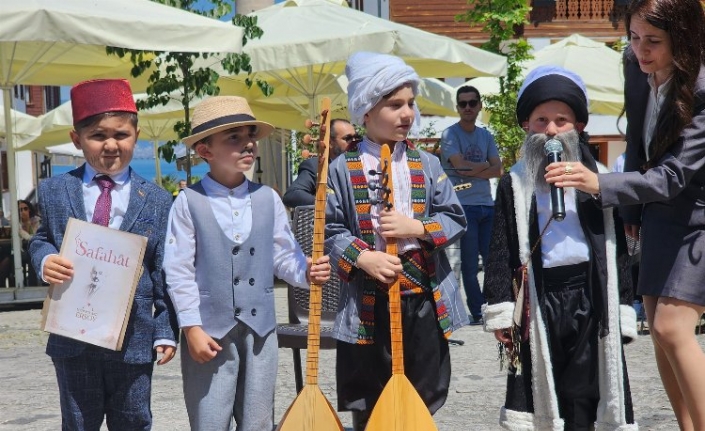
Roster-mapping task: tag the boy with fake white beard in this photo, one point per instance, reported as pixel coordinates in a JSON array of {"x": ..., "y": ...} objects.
[{"x": 562, "y": 331}]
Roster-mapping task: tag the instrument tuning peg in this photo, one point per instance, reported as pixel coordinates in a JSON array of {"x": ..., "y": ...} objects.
[
  {"x": 305, "y": 154},
  {"x": 310, "y": 123},
  {"x": 306, "y": 139},
  {"x": 375, "y": 201},
  {"x": 373, "y": 185},
  {"x": 374, "y": 172}
]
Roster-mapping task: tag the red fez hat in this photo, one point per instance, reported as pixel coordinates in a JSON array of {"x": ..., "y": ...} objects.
[{"x": 98, "y": 96}]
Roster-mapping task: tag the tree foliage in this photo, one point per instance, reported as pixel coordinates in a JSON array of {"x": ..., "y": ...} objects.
[
  {"x": 176, "y": 75},
  {"x": 501, "y": 20}
]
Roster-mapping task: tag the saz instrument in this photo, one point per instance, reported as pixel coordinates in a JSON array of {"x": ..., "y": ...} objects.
[
  {"x": 311, "y": 411},
  {"x": 399, "y": 408}
]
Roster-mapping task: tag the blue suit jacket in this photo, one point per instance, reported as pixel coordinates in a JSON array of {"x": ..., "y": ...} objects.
[{"x": 152, "y": 317}]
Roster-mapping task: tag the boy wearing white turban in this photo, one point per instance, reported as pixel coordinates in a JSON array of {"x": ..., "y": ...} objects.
[{"x": 425, "y": 218}]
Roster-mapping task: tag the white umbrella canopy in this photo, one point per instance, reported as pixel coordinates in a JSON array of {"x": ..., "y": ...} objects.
[
  {"x": 156, "y": 124},
  {"x": 25, "y": 128},
  {"x": 50, "y": 42},
  {"x": 68, "y": 149},
  {"x": 306, "y": 44},
  {"x": 330, "y": 31},
  {"x": 599, "y": 66},
  {"x": 289, "y": 109}
]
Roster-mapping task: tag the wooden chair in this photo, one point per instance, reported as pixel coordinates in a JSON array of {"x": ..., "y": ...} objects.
[{"x": 294, "y": 335}]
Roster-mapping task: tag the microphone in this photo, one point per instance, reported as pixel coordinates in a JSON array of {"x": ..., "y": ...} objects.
[{"x": 553, "y": 150}]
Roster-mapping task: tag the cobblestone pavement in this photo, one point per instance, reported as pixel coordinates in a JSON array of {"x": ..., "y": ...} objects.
[{"x": 29, "y": 398}]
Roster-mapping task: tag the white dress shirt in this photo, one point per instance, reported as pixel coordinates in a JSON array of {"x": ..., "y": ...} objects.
[
  {"x": 401, "y": 177},
  {"x": 233, "y": 211},
  {"x": 564, "y": 242}
]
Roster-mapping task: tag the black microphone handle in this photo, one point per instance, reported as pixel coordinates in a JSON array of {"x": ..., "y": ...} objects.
[{"x": 557, "y": 199}]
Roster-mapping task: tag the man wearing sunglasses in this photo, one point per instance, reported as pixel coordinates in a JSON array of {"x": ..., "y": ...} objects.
[
  {"x": 469, "y": 156},
  {"x": 303, "y": 190}
]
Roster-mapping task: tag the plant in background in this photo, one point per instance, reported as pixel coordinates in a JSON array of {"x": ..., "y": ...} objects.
[
  {"x": 175, "y": 74},
  {"x": 170, "y": 183},
  {"x": 427, "y": 140},
  {"x": 501, "y": 20},
  {"x": 301, "y": 148}
]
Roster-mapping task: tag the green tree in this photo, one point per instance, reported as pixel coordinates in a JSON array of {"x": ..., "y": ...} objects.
[
  {"x": 501, "y": 20},
  {"x": 175, "y": 74}
]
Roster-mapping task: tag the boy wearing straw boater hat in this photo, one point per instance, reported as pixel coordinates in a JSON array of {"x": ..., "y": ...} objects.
[
  {"x": 426, "y": 217},
  {"x": 95, "y": 382},
  {"x": 227, "y": 240}
]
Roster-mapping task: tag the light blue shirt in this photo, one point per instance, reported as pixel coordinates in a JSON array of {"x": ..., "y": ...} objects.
[{"x": 477, "y": 146}]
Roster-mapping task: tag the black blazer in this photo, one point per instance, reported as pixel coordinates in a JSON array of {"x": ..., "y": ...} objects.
[
  {"x": 679, "y": 178},
  {"x": 303, "y": 190}
]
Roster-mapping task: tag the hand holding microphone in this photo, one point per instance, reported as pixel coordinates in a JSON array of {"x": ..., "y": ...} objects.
[{"x": 553, "y": 150}]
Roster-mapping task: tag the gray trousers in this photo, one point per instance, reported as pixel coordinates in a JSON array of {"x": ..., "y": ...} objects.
[{"x": 239, "y": 383}]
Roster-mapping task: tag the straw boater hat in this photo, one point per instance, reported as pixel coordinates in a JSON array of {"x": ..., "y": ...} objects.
[
  {"x": 98, "y": 96},
  {"x": 219, "y": 113}
]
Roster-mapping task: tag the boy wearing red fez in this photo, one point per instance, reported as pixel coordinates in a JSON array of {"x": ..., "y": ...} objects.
[
  {"x": 227, "y": 240},
  {"x": 95, "y": 382}
]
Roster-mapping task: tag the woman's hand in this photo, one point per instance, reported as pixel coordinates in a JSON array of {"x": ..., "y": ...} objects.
[{"x": 572, "y": 174}]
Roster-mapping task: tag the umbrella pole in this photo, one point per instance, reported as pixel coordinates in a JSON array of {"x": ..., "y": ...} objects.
[
  {"x": 157, "y": 163},
  {"x": 12, "y": 186}
]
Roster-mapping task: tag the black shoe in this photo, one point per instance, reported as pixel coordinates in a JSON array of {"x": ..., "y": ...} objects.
[{"x": 476, "y": 321}]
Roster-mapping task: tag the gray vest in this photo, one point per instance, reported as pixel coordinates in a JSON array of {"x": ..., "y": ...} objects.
[{"x": 235, "y": 282}]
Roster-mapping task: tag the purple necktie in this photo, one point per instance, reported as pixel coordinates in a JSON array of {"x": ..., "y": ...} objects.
[{"x": 101, "y": 214}]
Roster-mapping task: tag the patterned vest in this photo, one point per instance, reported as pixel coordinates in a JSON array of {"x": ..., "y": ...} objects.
[{"x": 418, "y": 270}]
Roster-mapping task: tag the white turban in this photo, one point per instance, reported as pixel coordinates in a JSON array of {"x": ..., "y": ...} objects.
[{"x": 372, "y": 76}]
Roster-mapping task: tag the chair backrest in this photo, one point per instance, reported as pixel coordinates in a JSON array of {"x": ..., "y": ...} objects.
[{"x": 302, "y": 227}]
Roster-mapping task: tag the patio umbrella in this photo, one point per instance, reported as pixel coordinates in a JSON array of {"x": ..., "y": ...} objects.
[
  {"x": 50, "y": 42},
  {"x": 54, "y": 126},
  {"x": 598, "y": 65},
  {"x": 25, "y": 128},
  {"x": 288, "y": 109},
  {"x": 306, "y": 44}
]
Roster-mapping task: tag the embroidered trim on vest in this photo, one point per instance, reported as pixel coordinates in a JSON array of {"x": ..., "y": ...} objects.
[{"x": 414, "y": 278}]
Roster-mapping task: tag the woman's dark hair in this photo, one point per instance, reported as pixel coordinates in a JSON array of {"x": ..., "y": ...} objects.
[
  {"x": 684, "y": 21},
  {"x": 32, "y": 210}
]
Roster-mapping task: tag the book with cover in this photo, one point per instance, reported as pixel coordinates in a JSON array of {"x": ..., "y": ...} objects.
[{"x": 94, "y": 306}]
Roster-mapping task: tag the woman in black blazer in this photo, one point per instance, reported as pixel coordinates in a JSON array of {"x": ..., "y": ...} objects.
[{"x": 665, "y": 190}]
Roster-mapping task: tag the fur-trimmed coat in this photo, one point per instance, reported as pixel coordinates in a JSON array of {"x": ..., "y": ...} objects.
[{"x": 531, "y": 402}]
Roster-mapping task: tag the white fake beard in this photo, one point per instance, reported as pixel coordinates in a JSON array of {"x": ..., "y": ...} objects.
[{"x": 532, "y": 152}]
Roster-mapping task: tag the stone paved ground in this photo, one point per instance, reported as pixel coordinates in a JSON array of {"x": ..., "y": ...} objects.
[{"x": 29, "y": 398}]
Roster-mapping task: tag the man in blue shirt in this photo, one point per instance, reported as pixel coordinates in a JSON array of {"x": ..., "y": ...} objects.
[{"x": 470, "y": 158}]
